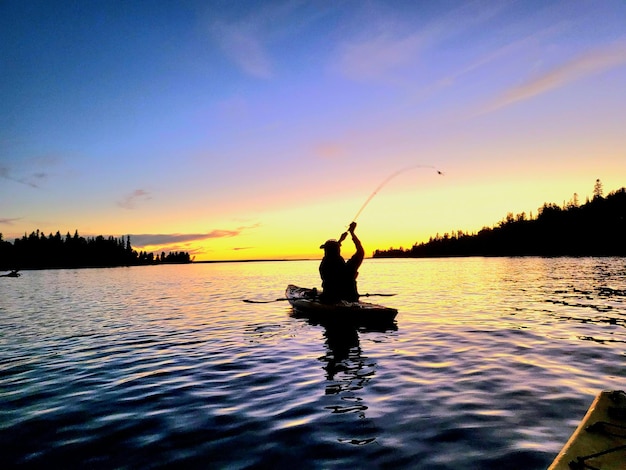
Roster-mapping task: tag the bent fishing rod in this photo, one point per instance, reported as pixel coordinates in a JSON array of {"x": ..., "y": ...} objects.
[{"x": 381, "y": 185}]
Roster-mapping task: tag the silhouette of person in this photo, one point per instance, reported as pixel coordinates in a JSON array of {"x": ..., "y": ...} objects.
[{"x": 339, "y": 276}]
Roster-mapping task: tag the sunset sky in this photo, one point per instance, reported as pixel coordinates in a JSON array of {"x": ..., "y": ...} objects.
[{"x": 254, "y": 130}]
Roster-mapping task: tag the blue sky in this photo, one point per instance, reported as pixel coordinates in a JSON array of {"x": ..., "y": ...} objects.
[{"x": 255, "y": 129}]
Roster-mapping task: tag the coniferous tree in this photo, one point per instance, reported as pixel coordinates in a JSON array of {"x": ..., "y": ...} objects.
[{"x": 598, "y": 192}]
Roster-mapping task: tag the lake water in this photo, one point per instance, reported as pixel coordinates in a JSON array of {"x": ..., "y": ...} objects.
[{"x": 492, "y": 363}]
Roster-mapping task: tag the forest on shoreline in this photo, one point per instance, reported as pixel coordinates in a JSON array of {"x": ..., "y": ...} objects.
[
  {"x": 595, "y": 228},
  {"x": 38, "y": 251}
]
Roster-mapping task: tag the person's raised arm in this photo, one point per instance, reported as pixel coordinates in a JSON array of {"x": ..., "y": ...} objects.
[{"x": 360, "y": 252}]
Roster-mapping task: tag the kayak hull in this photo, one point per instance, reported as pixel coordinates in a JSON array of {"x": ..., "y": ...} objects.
[
  {"x": 599, "y": 441},
  {"x": 306, "y": 303}
]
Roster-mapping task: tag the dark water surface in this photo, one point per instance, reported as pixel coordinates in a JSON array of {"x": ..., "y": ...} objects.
[{"x": 492, "y": 364}]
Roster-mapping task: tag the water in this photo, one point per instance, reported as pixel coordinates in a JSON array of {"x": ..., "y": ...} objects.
[{"x": 491, "y": 365}]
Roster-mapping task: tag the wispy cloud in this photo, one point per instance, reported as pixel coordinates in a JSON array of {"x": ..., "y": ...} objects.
[
  {"x": 250, "y": 41},
  {"x": 143, "y": 240},
  {"x": 512, "y": 49},
  {"x": 388, "y": 45},
  {"x": 131, "y": 200},
  {"x": 329, "y": 150},
  {"x": 31, "y": 171},
  {"x": 493, "y": 59},
  {"x": 34, "y": 179},
  {"x": 377, "y": 57},
  {"x": 244, "y": 45},
  {"x": 592, "y": 62},
  {"x": 9, "y": 221}
]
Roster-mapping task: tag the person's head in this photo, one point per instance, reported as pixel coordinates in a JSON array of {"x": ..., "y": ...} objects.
[{"x": 331, "y": 247}]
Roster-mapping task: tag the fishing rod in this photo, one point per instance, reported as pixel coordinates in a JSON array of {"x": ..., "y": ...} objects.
[{"x": 387, "y": 180}]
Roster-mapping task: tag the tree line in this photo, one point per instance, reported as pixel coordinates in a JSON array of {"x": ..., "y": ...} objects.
[
  {"x": 37, "y": 251},
  {"x": 595, "y": 228}
]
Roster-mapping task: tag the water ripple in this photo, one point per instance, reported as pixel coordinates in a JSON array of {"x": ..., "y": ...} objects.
[{"x": 491, "y": 364}]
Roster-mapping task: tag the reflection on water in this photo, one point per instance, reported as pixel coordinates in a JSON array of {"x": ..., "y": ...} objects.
[
  {"x": 491, "y": 364},
  {"x": 343, "y": 345},
  {"x": 348, "y": 371}
]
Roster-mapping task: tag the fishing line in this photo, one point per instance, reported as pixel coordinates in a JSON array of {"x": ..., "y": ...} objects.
[{"x": 389, "y": 178}]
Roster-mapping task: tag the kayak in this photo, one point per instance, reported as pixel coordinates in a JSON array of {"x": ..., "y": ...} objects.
[
  {"x": 306, "y": 302},
  {"x": 599, "y": 441}
]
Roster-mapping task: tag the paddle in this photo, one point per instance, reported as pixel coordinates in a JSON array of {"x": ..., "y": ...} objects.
[
  {"x": 281, "y": 299},
  {"x": 376, "y": 295},
  {"x": 262, "y": 301}
]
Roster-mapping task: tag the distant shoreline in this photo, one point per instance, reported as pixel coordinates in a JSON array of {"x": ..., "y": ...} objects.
[
  {"x": 250, "y": 260},
  {"x": 42, "y": 268},
  {"x": 313, "y": 259}
]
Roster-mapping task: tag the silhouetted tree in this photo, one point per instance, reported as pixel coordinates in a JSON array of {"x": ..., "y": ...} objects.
[
  {"x": 573, "y": 202},
  {"x": 598, "y": 192}
]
